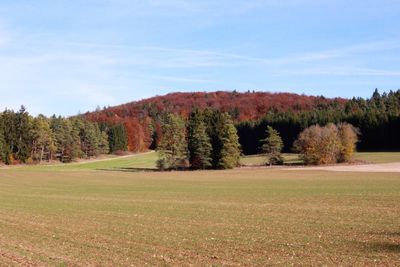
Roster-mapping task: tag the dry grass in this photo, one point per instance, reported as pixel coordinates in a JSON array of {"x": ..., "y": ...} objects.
[{"x": 239, "y": 217}]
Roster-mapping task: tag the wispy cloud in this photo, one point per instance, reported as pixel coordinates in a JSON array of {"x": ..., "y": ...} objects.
[{"x": 81, "y": 52}]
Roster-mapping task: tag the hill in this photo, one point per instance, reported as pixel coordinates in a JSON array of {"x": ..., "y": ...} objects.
[{"x": 141, "y": 118}]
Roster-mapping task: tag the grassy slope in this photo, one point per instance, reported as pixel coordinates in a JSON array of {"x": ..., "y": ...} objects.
[
  {"x": 139, "y": 161},
  {"x": 257, "y": 160},
  {"x": 244, "y": 216},
  {"x": 369, "y": 157},
  {"x": 147, "y": 161},
  {"x": 378, "y": 157}
]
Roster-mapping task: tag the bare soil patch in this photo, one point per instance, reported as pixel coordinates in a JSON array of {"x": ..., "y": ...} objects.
[{"x": 382, "y": 167}]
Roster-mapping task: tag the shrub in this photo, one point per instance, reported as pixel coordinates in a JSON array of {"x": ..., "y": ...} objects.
[{"x": 326, "y": 145}]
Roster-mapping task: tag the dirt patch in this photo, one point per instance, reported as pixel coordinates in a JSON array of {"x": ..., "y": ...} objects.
[{"x": 383, "y": 167}]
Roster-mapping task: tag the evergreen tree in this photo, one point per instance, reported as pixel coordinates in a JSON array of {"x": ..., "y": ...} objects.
[
  {"x": 104, "y": 147},
  {"x": 272, "y": 146},
  {"x": 173, "y": 146},
  {"x": 229, "y": 155},
  {"x": 3, "y": 147},
  {"x": 67, "y": 139},
  {"x": 117, "y": 138},
  {"x": 199, "y": 144},
  {"x": 23, "y": 130}
]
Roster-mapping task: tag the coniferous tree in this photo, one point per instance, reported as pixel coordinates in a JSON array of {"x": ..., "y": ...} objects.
[
  {"x": 272, "y": 146},
  {"x": 199, "y": 145},
  {"x": 3, "y": 152},
  {"x": 67, "y": 139},
  {"x": 229, "y": 155},
  {"x": 117, "y": 138},
  {"x": 173, "y": 146},
  {"x": 104, "y": 147},
  {"x": 23, "y": 130}
]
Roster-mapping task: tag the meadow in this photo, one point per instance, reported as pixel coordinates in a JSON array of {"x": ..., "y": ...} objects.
[{"x": 115, "y": 213}]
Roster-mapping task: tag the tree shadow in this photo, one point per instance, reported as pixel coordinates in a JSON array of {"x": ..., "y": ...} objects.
[
  {"x": 383, "y": 247},
  {"x": 131, "y": 170}
]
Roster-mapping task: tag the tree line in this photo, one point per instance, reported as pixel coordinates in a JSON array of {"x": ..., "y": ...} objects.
[
  {"x": 377, "y": 118},
  {"x": 208, "y": 140},
  {"x": 28, "y": 139}
]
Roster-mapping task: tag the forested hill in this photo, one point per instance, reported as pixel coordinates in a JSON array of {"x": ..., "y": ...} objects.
[
  {"x": 241, "y": 106},
  {"x": 141, "y": 118}
]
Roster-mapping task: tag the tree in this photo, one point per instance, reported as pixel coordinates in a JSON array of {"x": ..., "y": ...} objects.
[
  {"x": 229, "y": 155},
  {"x": 272, "y": 146},
  {"x": 104, "y": 147},
  {"x": 23, "y": 126},
  {"x": 3, "y": 147},
  {"x": 326, "y": 145},
  {"x": 199, "y": 145},
  {"x": 348, "y": 135},
  {"x": 10, "y": 135},
  {"x": 173, "y": 146},
  {"x": 67, "y": 139},
  {"x": 117, "y": 138},
  {"x": 43, "y": 139}
]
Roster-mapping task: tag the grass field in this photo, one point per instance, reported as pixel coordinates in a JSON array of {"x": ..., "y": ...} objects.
[
  {"x": 368, "y": 157},
  {"x": 258, "y": 160},
  {"x": 141, "y": 162},
  {"x": 378, "y": 157},
  {"x": 107, "y": 213}
]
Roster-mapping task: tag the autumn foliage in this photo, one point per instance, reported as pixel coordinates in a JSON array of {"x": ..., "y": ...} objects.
[
  {"x": 142, "y": 118},
  {"x": 327, "y": 145}
]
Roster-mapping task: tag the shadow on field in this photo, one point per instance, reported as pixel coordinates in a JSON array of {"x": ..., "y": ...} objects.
[
  {"x": 383, "y": 247},
  {"x": 131, "y": 170}
]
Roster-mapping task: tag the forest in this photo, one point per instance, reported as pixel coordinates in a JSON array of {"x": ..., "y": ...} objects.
[
  {"x": 140, "y": 126},
  {"x": 377, "y": 118},
  {"x": 28, "y": 139}
]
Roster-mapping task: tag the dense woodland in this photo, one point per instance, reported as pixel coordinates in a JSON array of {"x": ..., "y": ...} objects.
[
  {"x": 142, "y": 125},
  {"x": 143, "y": 119},
  {"x": 378, "y": 118},
  {"x": 27, "y": 139}
]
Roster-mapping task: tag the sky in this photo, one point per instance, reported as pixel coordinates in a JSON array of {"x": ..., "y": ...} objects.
[{"x": 70, "y": 56}]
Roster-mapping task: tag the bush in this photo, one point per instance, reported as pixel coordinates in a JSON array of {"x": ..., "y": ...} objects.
[{"x": 326, "y": 145}]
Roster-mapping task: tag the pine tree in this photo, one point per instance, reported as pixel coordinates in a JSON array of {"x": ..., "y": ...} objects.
[
  {"x": 272, "y": 146},
  {"x": 229, "y": 155},
  {"x": 23, "y": 126},
  {"x": 117, "y": 138},
  {"x": 3, "y": 149},
  {"x": 173, "y": 146},
  {"x": 67, "y": 140},
  {"x": 199, "y": 145}
]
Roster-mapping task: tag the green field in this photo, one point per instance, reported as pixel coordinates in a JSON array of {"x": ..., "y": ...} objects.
[
  {"x": 367, "y": 157},
  {"x": 111, "y": 213},
  {"x": 141, "y": 162},
  {"x": 378, "y": 157}
]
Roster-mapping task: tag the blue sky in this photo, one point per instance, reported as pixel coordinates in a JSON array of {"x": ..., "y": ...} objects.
[{"x": 65, "y": 56}]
